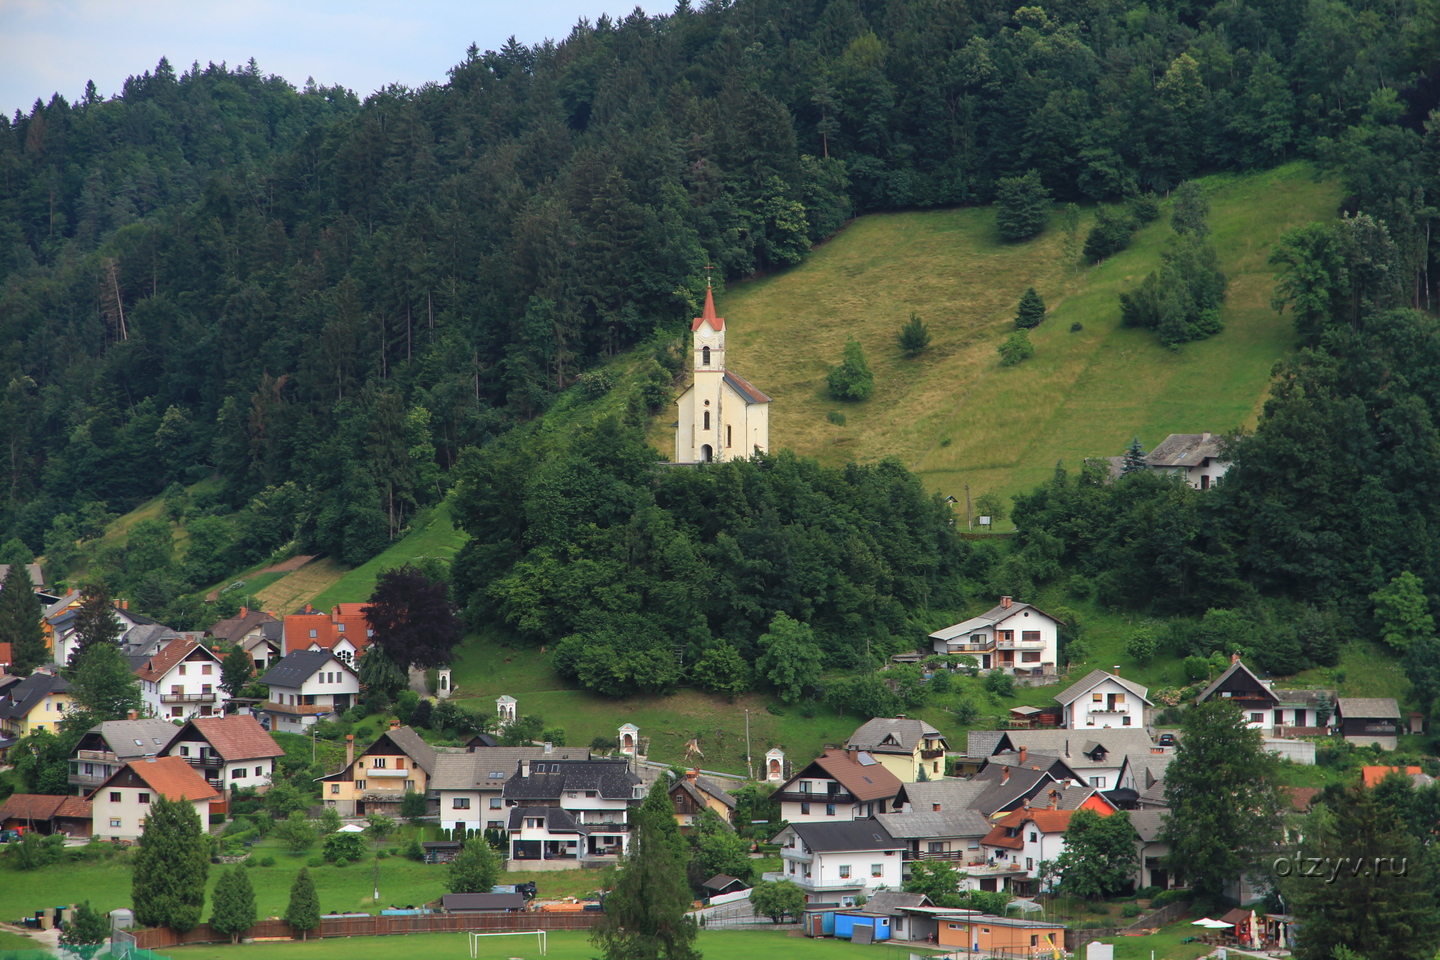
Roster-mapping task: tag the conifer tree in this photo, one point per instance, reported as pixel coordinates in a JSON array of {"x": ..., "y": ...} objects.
[
  {"x": 20, "y": 627},
  {"x": 1031, "y": 311},
  {"x": 234, "y": 909},
  {"x": 1134, "y": 461},
  {"x": 168, "y": 883},
  {"x": 236, "y": 671},
  {"x": 95, "y": 621},
  {"x": 646, "y": 915},
  {"x": 303, "y": 912},
  {"x": 852, "y": 379},
  {"x": 914, "y": 337}
]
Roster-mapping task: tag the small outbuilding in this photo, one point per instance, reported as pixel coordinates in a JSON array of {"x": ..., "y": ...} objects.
[
  {"x": 1369, "y": 720},
  {"x": 483, "y": 902},
  {"x": 721, "y": 884}
]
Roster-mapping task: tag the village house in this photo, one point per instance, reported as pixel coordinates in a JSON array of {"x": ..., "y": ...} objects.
[
  {"x": 150, "y": 637},
  {"x": 343, "y": 631},
  {"x": 110, "y": 745},
  {"x": 693, "y": 794},
  {"x": 1195, "y": 458},
  {"x": 838, "y": 785},
  {"x": 1140, "y": 777},
  {"x": 1104, "y": 700},
  {"x": 1366, "y": 721},
  {"x": 229, "y": 752},
  {"x": 840, "y": 861},
  {"x": 121, "y": 804},
  {"x": 987, "y": 935},
  {"x": 398, "y": 762},
  {"x": 257, "y": 632},
  {"x": 568, "y": 813},
  {"x": 1276, "y": 712},
  {"x": 1095, "y": 754},
  {"x": 182, "y": 681},
  {"x": 469, "y": 784},
  {"x": 1015, "y": 637},
  {"x": 46, "y": 814},
  {"x": 1151, "y": 850},
  {"x": 952, "y": 836},
  {"x": 1025, "y": 838},
  {"x": 907, "y": 748},
  {"x": 39, "y": 702},
  {"x": 306, "y": 686}
]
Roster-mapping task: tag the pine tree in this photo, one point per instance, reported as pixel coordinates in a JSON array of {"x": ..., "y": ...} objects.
[
  {"x": 475, "y": 869},
  {"x": 1031, "y": 311},
  {"x": 95, "y": 621},
  {"x": 234, "y": 909},
  {"x": 237, "y": 671},
  {"x": 1134, "y": 461},
  {"x": 646, "y": 915},
  {"x": 303, "y": 911},
  {"x": 914, "y": 337},
  {"x": 1022, "y": 205},
  {"x": 20, "y": 612},
  {"x": 168, "y": 884}
]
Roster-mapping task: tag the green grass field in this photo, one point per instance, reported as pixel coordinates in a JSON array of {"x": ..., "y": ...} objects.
[
  {"x": 432, "y": 536},
  {"x": 953, "y": 414},
  {"x": 563, "y": 945}
]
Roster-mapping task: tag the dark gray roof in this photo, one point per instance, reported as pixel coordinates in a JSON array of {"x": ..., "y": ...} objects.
[
  {"x": 298, "y": 667},
  {"x": 1185, "y": 450},
  {"x": 701, "y": 786},
  {"x": 550, "y": 779},
  {"x": 1303, "y": 698},
  {"x": 950, "y": 794},
  {"x": 869, "y": 834},
  {"x": 21, "y": 699},
  {"x": 120, "y": 737},
  {"x": 1092, "y": 680},
  {"x": 1003, "y": 793},
  {"x": 891, "y": 735},
  {"x": 983, "y": 743},
  {"x": 557, "y": 820},
  {"x": 1237, "y": 665},
  {"x": 487, "y": 768},
  {"x": 408, "y": 742},
  {"x": 891, "y": 902},
  {"x": 461, "y": 902},
  {"x": 1374, "y": 708},
  {"x": 922, "y": 824},
  {"x": 1076, "y": 747},
  {"x": 1148, "y": 823},
  {"x": 720, "y": 882},
  {"x": 37, "y": 578}
]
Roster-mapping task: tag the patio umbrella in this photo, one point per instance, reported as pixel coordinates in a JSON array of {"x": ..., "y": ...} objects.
[{"x": 1209, "y": 924}]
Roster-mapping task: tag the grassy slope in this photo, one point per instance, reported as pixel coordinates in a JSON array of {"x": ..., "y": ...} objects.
[
  {"x": 953, "y": 414},
  {"x": 432, "y": 536}
]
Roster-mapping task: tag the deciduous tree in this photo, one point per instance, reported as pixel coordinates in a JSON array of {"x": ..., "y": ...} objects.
[
  {"x": 1099, "y": 854},
  {"x": 413, "y": 618},
  {"x": 1403, "y": 612},
  {"x": 777, "y": 899},
  {"x": 852, "y": 379},
  {"x": 104, "y": 685},
  {"x": 236, "y": 671},
  {"x": 475, "y": 869},
  {"x": 790, "y": 658}
]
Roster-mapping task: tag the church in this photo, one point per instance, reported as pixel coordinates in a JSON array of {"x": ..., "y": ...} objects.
[{"x": 722, "y": 417}]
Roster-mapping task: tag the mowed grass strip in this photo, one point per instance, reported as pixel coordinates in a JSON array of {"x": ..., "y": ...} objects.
[{"x": 953, "y": 414}]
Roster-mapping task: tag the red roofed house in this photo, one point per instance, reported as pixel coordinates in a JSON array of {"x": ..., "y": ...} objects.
[
  {"x": 1031, "y": 835},
  {"x": 343, "y": 631},
  {"x": 1373, "y": 775},
  {"x": 121, "y": 804},
  {"x": 721, "y": 415},
  {"x": 836, "y": 786},
  {"x": 182, "y": 681},
  {"x": 228, "y": 752},
  {"x": 45, "y": 813}
]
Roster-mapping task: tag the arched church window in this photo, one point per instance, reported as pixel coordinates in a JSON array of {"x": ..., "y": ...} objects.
[
  {"x": 705, "y": 356},
  {"x": 707, "y": 419}
]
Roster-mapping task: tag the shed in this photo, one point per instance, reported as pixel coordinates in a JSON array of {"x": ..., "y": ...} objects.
[
  {"x": 848, "y": 922},
  {"x": 441, "y": 851},
  {"x": 482, "y": 902},
  {"x": 720, "y": 883}
]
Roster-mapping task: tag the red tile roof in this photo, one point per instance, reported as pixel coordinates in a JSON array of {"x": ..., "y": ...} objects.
[
  {"x": 1300, "y": 797},
  {"x": 237, "y": 737},
  {"x": 327, "y": 628},
  {"x": 173, "y": 778},
  {"x": 5, "y": 655},
  {"x": 154, "y": 669},
  {"x": 866, "y": 781},
  {"x": 37, "y": 806},
  {"x": 708, "y": 314},
  {"x": 1049, "y": 821},
  {"x": 1373, "y": 775}
]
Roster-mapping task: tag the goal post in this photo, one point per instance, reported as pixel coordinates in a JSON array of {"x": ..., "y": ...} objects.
[{"x": 475, "y": 940}]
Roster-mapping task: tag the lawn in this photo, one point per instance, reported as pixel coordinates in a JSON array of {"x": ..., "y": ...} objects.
[
  {"x": 563, "y": 945},
  {"x": 954, "y": 415},
  {"x": 433, "y": 535}
]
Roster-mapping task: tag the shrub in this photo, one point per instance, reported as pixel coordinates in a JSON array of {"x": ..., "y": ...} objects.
[
  {"x": 1000, "y": 683},
  {"x": 267, "y": 861},
  {"x": 774, "y": 709},
  {"x": 1109, "y": 236},
  {"x": 966, "y": 712},
  {"x": 344, "y": 846},
  {"x": 1076, "y": 327},
  {"x": 836, "y": 417},
  {"x": 1016, "y": 349},
  {"x": 1130, "y": 910},
  {"x": 1145, "y": 209},
  {"x": 342, "y": 862},
  {"x": 852, "y": 379},
  {"x": 314, "y": 862},
  {"x": 216, "y": 819},
  {"x": 1168, "y": 896},
  {"x": 382, "y": 855}
]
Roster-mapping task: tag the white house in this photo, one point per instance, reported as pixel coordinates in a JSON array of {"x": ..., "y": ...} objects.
[
  {"x": 1103, "y": 700},
  {"x": 721, "y": 415},
  {"x": 229, "y": 752},
  {"x": 1274, "y": 711},
  {"x": 1194, "y": 457},
  {"x": 121, "y": 804},
  {"x": 840, "y": 861},
  {"x": 1015, "y": 637},
  {"x": 308, "y": 685},
  {"x": 567, "y": 813},
  {"x": 470, "y": 785},
  {"x": 1095, "y": 754},
  {"x": 838, "y": 785},
  {"x": 182, "y": 681},
  {"x": 1025, "y": 838}
]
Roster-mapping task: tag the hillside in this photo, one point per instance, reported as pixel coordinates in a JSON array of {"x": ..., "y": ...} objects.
[{"x": 954, "y": 415}]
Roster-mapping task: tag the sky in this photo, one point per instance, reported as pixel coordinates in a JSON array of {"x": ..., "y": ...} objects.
[{"x": 50, "y": 46}]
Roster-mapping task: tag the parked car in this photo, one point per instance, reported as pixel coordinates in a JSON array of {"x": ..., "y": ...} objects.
[{"x": 1167, "y": 740}]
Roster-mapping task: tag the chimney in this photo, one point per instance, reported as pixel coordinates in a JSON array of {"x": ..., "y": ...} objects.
[
  {"x": 1022, "y": 754},
  {"x": 549, "y": 747},
  {"x": 1117, "y": 669},
  {"x": 309, "y": 609},
  {"x": 124, "y": 604},
  {"x": 692, "y": 774},
  {"x": 1005, "y": 603},
  {"x": 1067, "y": 749},
  {"x": 1004, "y": 774},
  {"x": 132, "y": 715},
  {"x": 1054, "y": 799},
  {"x": 349, "y": 750},
  {"x": 395, "y": 723},
  {"x": 934, "y": 808},
  {"x": 524, "y": 768},
  {"x": 244, "y": 612},
  {"x": 1234, "y": 658},
  {"x": 899, "y": 716}
]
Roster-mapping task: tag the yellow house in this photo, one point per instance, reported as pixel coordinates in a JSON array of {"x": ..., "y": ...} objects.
[
  {"x": 39, "y": 702},
  {"x": 397, "y": 763},
  {"x": 692, "y": 794},
  {"x": 911, "y": 749}
]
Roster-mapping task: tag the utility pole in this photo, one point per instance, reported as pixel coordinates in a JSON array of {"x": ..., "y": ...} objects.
[
  {"x": 749, "y": 769},
  {"x": 377, "y": 876},
  {"x": 969, "y": 525}
]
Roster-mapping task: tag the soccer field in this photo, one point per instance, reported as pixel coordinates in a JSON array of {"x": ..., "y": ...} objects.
[{"x": 563, "y": 945}]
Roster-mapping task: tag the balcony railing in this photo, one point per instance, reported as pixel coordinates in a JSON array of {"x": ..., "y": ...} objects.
[
  {"x": 187, "y": 698},
  {"x": 796, "y": 796},
  {"x": 931, "y": 754},
  {"x": 1020, "y": 645},
  {"x": 970, "y": 647},
  {"x": 955, "y": 856},
  {"x": 104, "y": 756}
]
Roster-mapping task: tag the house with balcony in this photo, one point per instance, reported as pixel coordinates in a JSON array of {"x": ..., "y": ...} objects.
[
  {"x": 838, "y": 785},
  {"x": 307, "y": 686},
  {"x": 108, "y": 746},
  {"x": 840, "y": 861},
  {"x": 229, "y": 752},
  {"x": 343, "y": 631},
  {"x": 1024, "y": 839},
  {"x": 952, "y": 836},
  {"x": 569, "y": 813},
  {"x": 469, "y": 784},
  {"x": 1276, "y": 712},
  {"x": 1369, "y": 720},
  {"x": 182, "y": 681},
  {"x": 397, "y": 763},
  {"x": 1103, "y": 700},
  {"x": 903, "y": 746},
  {"x": 120, "y": 805},
  {"x": 1018, "y": 638}
]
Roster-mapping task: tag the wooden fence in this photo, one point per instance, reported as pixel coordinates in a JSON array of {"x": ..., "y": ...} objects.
[{"x": 159, "y": 938}]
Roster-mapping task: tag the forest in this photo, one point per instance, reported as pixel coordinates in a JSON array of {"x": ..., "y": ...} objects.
[{"x": 338, "y": 310}]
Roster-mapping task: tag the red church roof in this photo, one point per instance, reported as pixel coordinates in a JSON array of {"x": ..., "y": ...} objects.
[{"x": 708, "y": 314}]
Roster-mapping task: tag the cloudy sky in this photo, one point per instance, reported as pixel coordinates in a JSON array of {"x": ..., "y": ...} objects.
[{"x": 49, "y": 46}]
